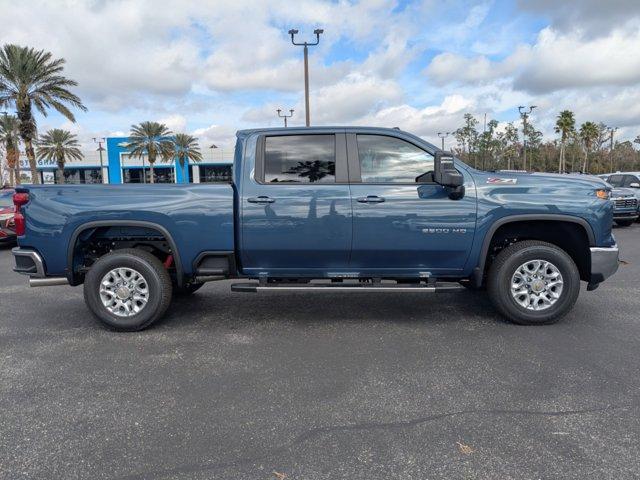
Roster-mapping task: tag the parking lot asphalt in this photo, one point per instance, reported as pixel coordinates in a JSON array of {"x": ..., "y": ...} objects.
[{"x": 321, "y": 386}]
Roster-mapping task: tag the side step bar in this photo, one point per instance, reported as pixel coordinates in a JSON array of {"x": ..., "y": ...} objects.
[{"x": 438, "y": 287}]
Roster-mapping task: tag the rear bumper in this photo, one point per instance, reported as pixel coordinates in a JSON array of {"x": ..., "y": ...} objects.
[
  {"x": 604, "y": 263},
  {"x": 28, "y": 262}
]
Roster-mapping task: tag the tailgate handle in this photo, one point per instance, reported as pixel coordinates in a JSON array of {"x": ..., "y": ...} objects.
[
  {"x": 261, "y": 199},
  {"x": 370, "y": 199}
]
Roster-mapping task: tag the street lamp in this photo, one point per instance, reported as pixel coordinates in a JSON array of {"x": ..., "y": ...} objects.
[
  {"x": 612, "y": 130},
  {"x": 213, "y": 147},
  {"x": 443, "y": 136},
  {"x": 285, "y": 116},
  {"x": 100, "y": 149},
  {"x": 525, "y": 115},
  {"x": 317, "y": 33}
]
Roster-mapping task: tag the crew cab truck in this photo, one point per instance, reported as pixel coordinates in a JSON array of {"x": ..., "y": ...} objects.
[{"x": 324, "y": 209}]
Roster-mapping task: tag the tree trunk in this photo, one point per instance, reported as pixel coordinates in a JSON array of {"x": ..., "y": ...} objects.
[
  {"x": 16, "y": 173},
  {"x": 151, "y": 171},
  {"x": 560, "y": 162},
  {"x": 31, "y": 156}
]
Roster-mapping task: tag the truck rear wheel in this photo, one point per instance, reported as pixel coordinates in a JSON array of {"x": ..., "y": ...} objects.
[
  {"x": 533, "y": 283},
  {"x": 127, "y": 289}
]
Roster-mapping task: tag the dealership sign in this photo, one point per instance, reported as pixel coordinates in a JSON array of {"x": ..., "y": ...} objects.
[{"x": 50, "y": 163}]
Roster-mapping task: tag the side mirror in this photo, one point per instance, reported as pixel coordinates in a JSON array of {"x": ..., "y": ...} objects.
[
  {"x": 445, "y": 172},
  {"x": 634, "y": 185}
]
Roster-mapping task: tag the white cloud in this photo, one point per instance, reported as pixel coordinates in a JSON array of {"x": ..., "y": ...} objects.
[
  {"x": 176, "y": 123},
  {"x": 426, "y": 122},
  {"x": 556, "y": 61},
  {"x": 559, "y": 61}
]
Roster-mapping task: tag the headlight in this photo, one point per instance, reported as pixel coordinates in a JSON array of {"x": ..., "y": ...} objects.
[{"x": 603, "y": 194}]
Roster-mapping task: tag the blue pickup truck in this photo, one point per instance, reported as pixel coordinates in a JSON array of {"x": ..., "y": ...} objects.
[{"x": 347, "y": 209}]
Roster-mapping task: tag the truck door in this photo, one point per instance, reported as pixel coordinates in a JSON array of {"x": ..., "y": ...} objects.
[
  {"x": 296, "y": 207},
  {"x": 403, "y": 222}
]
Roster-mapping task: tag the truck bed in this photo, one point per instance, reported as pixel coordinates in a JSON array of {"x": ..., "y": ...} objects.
[{"x": 198, "y": 217}]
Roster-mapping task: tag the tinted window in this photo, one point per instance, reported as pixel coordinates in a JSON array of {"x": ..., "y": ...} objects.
[
  {"x": 629, "y": 179},
  {"x": 616, "y": 180},
  {"x": 215, "y": 173},
  {"x": 391, "y": 160},
  {"x": 300, "y": 159}
]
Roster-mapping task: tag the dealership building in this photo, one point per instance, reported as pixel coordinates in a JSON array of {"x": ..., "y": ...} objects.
[{"x": 117, "y": 166}]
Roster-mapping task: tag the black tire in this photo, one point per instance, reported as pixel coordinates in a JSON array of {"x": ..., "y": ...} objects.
[
  {"x": 624, "y": 223},
  {"x": 158, "y": 284},
  {"x": 186, "y": 290},
  {"x": 509, "y": 260}
]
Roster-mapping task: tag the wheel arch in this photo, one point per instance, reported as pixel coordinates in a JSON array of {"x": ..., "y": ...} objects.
[
  {"x": 480, "y": 269},
  {"x": 71, "y": 248}
]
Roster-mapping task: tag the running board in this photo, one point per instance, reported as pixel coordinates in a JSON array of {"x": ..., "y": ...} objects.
[{"x": 438, "y": 287}]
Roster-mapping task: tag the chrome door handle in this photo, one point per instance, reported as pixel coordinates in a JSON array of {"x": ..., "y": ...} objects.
[
  {"x": 261, "y": 199},
  {"x": 370, "y": 199}
]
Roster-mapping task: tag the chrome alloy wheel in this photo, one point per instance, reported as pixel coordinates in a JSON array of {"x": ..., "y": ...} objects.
[
  {"x": 536, "y": 285},
  {"x": 124, "y": 292}
]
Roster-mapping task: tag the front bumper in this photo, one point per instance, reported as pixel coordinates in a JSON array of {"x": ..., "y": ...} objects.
[
  {"x": 630, "y": 215},
  {"x": 604, "y": 263}
]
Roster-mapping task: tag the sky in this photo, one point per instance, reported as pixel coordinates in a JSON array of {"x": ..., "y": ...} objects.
[{"x": 212, "y": 67}]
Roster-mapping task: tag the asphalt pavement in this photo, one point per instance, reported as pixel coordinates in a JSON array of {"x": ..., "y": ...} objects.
[{"x": 321, "y": 386}]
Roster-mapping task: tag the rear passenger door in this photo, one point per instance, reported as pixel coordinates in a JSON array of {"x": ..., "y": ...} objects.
[{"x": 296, "y": 208}]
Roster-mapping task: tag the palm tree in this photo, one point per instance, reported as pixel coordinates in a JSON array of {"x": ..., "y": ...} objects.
[
  {"x": 59, "y": 145},
  {"x": 565, "y": 125},
  {"x": 151, "y": 139},
  {"x": 30, "y": 77},
  {"x": 186, "y": 149},
  {"x": 10, "y": 140},
  {"x": 588, "y": 134}
]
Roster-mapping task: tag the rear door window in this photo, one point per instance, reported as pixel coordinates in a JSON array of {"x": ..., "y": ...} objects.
[{"x": 300, "y": 159}]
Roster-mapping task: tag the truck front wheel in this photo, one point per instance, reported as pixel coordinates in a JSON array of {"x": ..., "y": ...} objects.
[
  {"x": 533, "y": 283},
  {"x": 127, "y": 289}
]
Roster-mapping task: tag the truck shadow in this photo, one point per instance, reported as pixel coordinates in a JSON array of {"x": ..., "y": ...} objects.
[{"x": 229, "y": 309}]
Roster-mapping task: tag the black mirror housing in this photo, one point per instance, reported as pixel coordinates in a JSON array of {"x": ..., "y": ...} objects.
[{"x": 445, "y": 172}]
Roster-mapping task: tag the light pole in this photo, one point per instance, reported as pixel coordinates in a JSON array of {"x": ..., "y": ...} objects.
[
  {"x": 100, "y": 141},
  {"x": 443, "y": 135},
  {"x": 525, "y": 115},
  {"x": 317, "y": 33},
  {"x": 213, "y": 147},
  {"x": 612, "y": 130},
  {"x": 285, "y": 116}
]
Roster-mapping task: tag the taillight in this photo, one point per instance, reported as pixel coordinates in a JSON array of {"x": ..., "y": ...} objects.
[{"x": 19, "y": 199}]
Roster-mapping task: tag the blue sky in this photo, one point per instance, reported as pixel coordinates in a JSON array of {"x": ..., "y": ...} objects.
[{"x": 213, "y": 67}]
